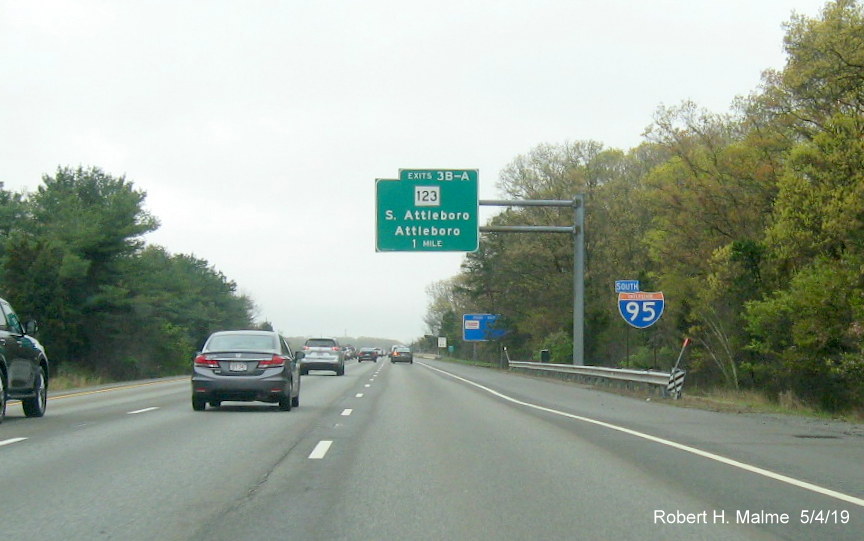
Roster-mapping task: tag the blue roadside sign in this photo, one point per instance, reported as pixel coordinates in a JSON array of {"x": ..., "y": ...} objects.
[
  {"x": 481, "y": 328},
  {"x": 626, "y": 286},
  {"x": 641, "y": 309}
]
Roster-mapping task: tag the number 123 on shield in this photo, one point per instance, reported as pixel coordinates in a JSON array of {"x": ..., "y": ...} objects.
[{"x": 427, "y": 196}]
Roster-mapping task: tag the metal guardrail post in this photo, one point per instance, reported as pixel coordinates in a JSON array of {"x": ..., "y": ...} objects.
[
  {"x": 669, "y": 384},
  {"x": 676, "y": 383}
]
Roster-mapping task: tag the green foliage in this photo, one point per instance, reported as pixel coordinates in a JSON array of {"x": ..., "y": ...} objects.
[
  {"x": 819, "y": 210},
  {"x": 824, "y": 73},
  {"x": 444, "y": 315},
  {"x": 751, "y": 223},
  {"x": 648, "y": 358},
  {"x": 72, "y": 257},
  {"x": 560, "y": 346},
  {"x": 809, "y": 335}
]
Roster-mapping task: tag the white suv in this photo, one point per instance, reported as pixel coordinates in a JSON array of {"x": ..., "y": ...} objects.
[{"x": 323, "y": 354}]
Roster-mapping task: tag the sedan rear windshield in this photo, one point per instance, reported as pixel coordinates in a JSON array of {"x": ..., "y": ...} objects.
[
  {"x": 320, "y": 343},
  {"x": 242, "y": 342}
]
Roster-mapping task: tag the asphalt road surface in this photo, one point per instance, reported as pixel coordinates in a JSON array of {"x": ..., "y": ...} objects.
[{"x": 426, "y": 451}]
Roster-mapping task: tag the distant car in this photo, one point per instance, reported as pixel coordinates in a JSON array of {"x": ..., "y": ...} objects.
[
  {"x": 367, "y": 354},
  {"x": 401, "y": 354},
  {"x": 246, "y": 365},
  {"x": 323, "y": 354}
]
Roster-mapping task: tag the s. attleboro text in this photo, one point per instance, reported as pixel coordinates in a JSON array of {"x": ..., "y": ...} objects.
[
  {"x": 428, "y": 210},
  {"x": 427, "y": 215}
]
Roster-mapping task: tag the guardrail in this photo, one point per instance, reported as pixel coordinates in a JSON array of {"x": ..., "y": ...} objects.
[{"x": 662, "y": 383}]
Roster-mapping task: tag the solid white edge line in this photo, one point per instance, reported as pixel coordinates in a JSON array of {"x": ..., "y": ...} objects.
[
  {"x": 320, "y": 450},
  {"x": 718, "y": 458},
  {"x": 11, "y": 441},
  {"x": 145, "y": 410}
]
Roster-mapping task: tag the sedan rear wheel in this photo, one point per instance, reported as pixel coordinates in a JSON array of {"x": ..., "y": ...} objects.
[
  {"x": 199, "y": 403},
  {"x": 285, "y": 401}
]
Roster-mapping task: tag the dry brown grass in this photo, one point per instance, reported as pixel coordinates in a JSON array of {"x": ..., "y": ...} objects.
[
  {"x": 65, "y": 380},
  {"x": 750, "y": 401}
]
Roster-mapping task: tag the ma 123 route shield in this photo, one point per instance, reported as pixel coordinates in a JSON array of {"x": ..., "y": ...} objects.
[{"x": 641, "y": 309}]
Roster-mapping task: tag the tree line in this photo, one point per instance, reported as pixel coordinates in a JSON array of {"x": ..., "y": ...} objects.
[
  {"x": 751, "y": 222},
  {"x": 72, "y": 257}
]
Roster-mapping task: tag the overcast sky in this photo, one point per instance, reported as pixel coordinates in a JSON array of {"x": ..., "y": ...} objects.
[{"x": 258, "y": 128}]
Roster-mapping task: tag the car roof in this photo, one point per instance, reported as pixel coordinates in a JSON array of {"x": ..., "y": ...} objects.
[{"x": 247, "y": 331}]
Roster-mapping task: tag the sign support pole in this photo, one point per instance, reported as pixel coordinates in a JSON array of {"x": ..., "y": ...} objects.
[
  {"x": 578, "y": 232},
  {"x": 579, "y": 279}
]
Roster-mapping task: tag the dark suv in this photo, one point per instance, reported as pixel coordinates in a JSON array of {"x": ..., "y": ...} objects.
[{"x": 23, "y": 365}]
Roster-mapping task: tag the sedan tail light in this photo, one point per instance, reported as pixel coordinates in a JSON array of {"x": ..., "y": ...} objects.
[
  {"x": 203, "y": 360},
  {"x": 274, "y": 362}
]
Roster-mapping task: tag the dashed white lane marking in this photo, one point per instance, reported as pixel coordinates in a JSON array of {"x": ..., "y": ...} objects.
[
  {"x": 367, "y": 385},
  {"x": 320, "y": 450},
  {"x": 11, "y": 441},
  {"x": 347, "y": 412},
  {"x": 145, "y": 410},
  {"x": 358, "y": 395}
]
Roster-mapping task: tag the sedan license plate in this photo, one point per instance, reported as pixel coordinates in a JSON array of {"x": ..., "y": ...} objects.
[{"x": 237, "y": 367}]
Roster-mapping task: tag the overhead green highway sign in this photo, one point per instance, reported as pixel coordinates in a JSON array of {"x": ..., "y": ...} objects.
[{"x": 427, "y": 210}]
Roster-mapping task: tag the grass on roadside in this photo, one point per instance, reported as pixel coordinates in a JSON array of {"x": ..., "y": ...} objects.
[
  {"x": 752, "y": 401},
  {"x": 484, "y": 364},
  {"x": 75, "y": 378},
  {"x": 730, "y": 400}
]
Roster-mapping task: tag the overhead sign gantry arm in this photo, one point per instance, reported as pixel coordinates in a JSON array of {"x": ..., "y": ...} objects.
[{"x": 578, "y": 232}]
